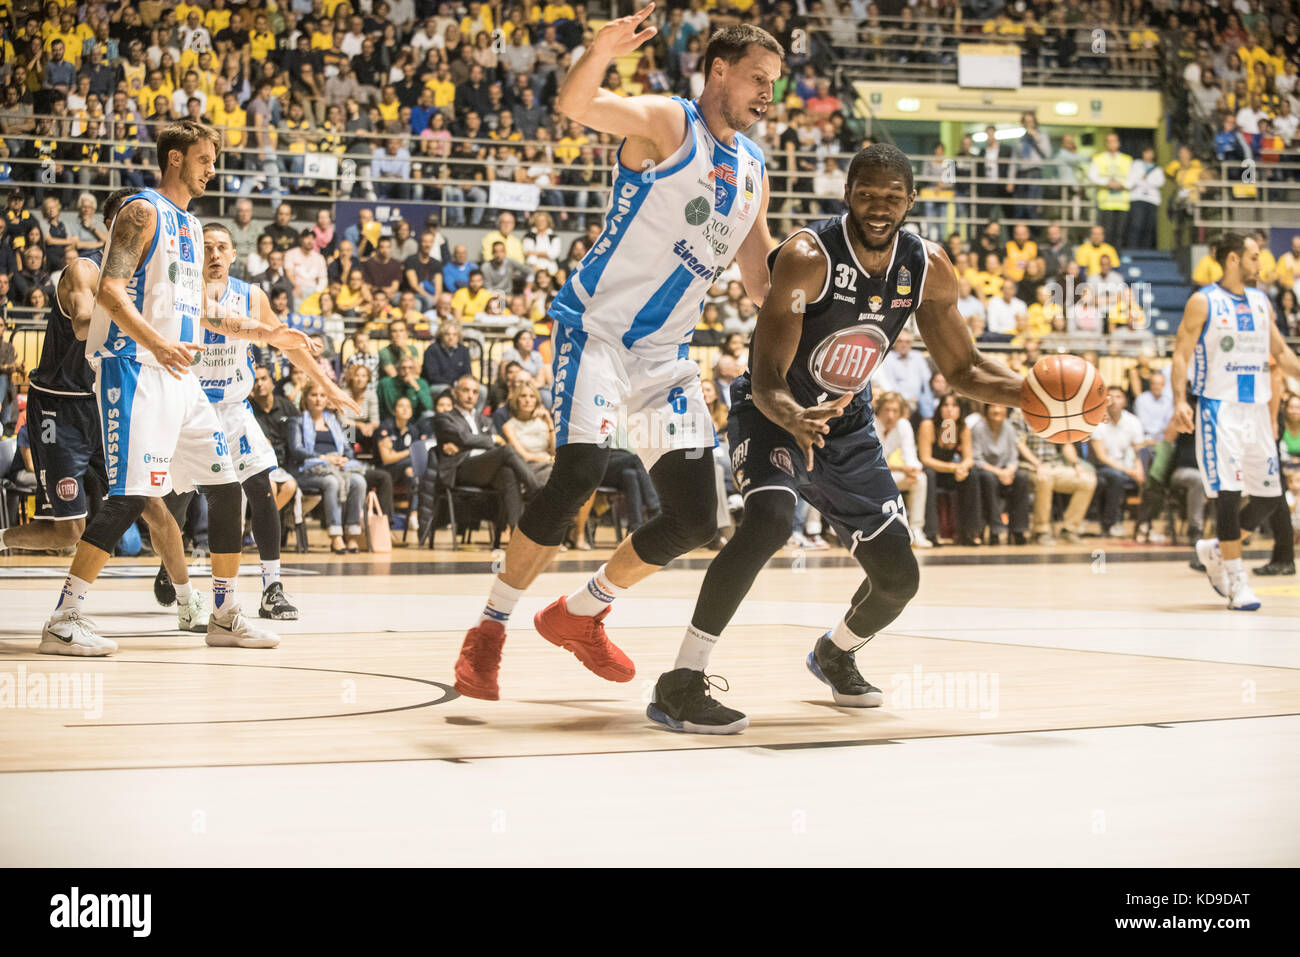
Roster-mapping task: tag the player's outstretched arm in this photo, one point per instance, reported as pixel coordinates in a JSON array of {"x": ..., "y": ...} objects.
[
  {"x": 797, "y": 279},
  {"x": 301, "y": 357},
  {"x": 1195, "y": 314},
  {"x": 77, "y": 292},
  {"x": 751, "y": 257},
  {"x": 948, "y": 339},
  {"x": 133, "y": 232},
  {"x": 652, "y": 118}
]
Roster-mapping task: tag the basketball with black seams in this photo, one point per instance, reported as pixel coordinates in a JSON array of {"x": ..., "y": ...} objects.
[{"x": 1063, "y": 398}]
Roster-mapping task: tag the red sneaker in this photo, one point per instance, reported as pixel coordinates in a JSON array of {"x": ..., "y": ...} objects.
[
  {"x": 586, "y": 638},
  {"x": 479, "y": 661}
]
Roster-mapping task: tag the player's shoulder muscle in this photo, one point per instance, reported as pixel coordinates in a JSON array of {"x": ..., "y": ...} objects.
[
  {"x": 940, "y": 275},
  {"x": 801, "y": 263}
]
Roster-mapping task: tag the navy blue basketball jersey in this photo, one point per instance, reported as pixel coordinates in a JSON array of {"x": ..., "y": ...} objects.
[
  {"x": 852, "y": 324},
  {"x": 63, "y": 369}
]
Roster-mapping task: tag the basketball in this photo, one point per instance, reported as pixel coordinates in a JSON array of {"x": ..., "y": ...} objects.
[{"x": 1063, "y": 398}]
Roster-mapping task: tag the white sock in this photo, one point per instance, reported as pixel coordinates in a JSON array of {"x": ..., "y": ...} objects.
[
  {"x": 183, "y": 592},
  {"x": 1233, "y": 566},
  {"x": 844, "y": 639},
  {"x": 270, "y": 573},
  {"x": 595, "y": 596},
  {"x": 695, "y": 650},
  {"x": 223, "y": 595},
  {"x": 73, "y": 595},
  {"x": 500, "y": 603}
]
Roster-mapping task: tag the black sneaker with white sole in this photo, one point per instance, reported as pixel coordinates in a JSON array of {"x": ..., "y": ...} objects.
[
  {"x": 682, "y": 702},
  {"x": 275, "y": 605},
  {"x": 1276, "y": 568},
  {"x": 164, "y": 592},
  {"x": 836, "y": 667}
]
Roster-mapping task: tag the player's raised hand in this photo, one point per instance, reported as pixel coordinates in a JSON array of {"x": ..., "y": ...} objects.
[
  {"x": 176, "y": 357},
  {"x": 619, "y": 37},
  {"x": 813, "y": 422},
  {"x": 1184, "y": 419},
  {"x": 287, "y": 340}
]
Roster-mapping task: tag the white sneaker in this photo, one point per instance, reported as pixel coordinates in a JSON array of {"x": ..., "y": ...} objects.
[
  {"x": 1207, "y": 552},
  {"x": 799, "y": 540},
  {"x": 817, "y": 544},
  {"x": 1240, "y": 595},
  {"x": 1116, "y": 531},
  {"x": 193, "y": 614},
  {"x": 919, "y": 539},
  {"x": 238, "y": 632},
  {"x": 72, "y": 634}
]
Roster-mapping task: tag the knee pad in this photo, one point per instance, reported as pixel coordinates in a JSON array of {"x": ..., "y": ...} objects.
[
  {"x": 689, "y": 502},
  {"x": 225, "y": 522},
  {"x": 768, "y": 518},
  {"x": 112, "y": 520},
  {"x": 1228, "y": 516},
  {"x": 266, "y": 519},
  {"x": 891, "y": 566},
  {"x": 577, "y": 473}
]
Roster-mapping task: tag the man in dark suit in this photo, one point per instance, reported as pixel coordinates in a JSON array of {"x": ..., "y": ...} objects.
[
  {"x": 470, "y": 453},
  {"x": 995, "y": 163}
]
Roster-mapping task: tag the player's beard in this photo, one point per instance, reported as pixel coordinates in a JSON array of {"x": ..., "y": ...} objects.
[{"x": 868, "y": 238}]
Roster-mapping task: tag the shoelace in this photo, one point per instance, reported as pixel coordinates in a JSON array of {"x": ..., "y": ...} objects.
[{"x": 712, "y": 681}]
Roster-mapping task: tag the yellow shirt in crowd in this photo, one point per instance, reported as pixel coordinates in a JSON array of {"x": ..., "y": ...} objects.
[
  {"x": 470, "y": 305},
  {"x": 1089, "y": 256},
  {"x": 1018, "y": 257},
  {"x": 1207, "y": 271}
]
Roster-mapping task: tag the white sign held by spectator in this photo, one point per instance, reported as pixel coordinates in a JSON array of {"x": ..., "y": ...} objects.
[
  {"x": 320, "y": 166},
  {"x": 521, "y": 196}
]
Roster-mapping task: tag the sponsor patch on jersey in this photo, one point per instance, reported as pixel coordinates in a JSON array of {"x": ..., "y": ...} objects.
[
  {"x": 157, "y": 479},
  {"x": 874, "y": 303},
  {"x": 114, "y": 395},
  {"x": 173, "y": 270},
  {"x": 900, "y": 303},
  {"x": 698, "y": 211},
  {"x": 66, "y": 489},
  {"x": 781, "y": 459},
  {"x": 1226, "y": 343},
  {"x": 749, "y": 186},
  {"x": 904, "y": 281},
  {"x": 846, "y": 359}
]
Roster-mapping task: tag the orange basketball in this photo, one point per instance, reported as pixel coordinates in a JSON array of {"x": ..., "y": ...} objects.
[{"x": 1063, "y": 398}]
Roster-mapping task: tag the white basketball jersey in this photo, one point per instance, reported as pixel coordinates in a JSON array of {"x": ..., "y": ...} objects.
[
  {"x": 167, "y": 288},
  {"x": 1231, "y": 358},
  {"x": 669, "y": 232},
  {"x": 225, "y": 368}
]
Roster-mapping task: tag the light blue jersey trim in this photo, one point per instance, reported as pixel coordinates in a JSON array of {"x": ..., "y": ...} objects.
[
  {"x": 1208, "y": 412},
  {"x": 661, "y": 305},
  {"x": 568, "y": 345},
  {"x": 122, "y": 374}
]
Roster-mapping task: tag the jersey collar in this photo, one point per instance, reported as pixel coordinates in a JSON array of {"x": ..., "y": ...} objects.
[{"x": 893, "y": 253}]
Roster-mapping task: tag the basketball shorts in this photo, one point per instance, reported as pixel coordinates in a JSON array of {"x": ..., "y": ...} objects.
[
  {"x": 602, "y": 388},
  {"x": 67, "y": 451},
  {"x": 160, "y": 434},
  {"x": 850, "y": 482},
  {"x": 249, "y": 450},
  {"x": 1235, "y": 448}
]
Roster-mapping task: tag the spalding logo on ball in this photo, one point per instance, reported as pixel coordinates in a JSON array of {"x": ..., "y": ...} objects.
[{"x": 1063, "y": 398}]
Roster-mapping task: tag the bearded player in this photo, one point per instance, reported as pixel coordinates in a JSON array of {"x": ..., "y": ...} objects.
[{"x": 802, "y": 425}]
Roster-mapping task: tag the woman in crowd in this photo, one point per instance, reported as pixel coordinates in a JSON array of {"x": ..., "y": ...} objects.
[
  {"x": 396, "y": 436},
  {"x": 577, "y": 249},
  {"x": 90, "y": 234},
  {"x": 538, "y": 369},
  {"x": 354, "y": 298},
  {"x": 323, "y": 233},
  {"x": 259, "y": 260},
  {"x": 734, "y": 345},
  {"x": 329, "y": 468},
  {"x": 1003, "y": 486},
  {"x": 541, "y": 245},
  {"x": 331, "y": 319},
  {"x": 530, "y": 430},
  {"x": 1288, "y": 313},
  {"x": 898, "y": 445},
  {"x": 358, "y": 382},
  {"x": 945, "y": 450}
]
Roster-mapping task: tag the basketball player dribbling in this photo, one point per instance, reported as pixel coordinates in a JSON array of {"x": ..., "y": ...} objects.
[
  {"x": 1225, "y": 339},
  {"x": 159, "y": 429},
  {"x": 689, "y": 195},
  {"x": 802, "y": 425}
]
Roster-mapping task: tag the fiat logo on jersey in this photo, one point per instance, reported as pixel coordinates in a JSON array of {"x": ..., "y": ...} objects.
[{"x": 845, "y": 360}]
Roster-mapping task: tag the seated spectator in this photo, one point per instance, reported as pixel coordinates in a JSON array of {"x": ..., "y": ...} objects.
[
  {"x": 405, "y": 384},
  {"x": 340, "y": 267},
  {"x": 505, "y": 233},
  {"x": 907, "y": 372},
  {"x": 725, "y": 371},
  {"x": 997, "y": 470},
  {"x": 399, "y": 346},
  {"x": 359, "y": 384},
  {"x": 530, "y": 431},
  {"x": 423, "y": 272},
  {"x": 1154, "y": 408},
  {"x": 382, "y": 271},
  {"x": 470, "y": 301},
  {"x": 509, "y": 376},
  {"x": 11, "y": 368},
  {"x": 1173, "y": 466},
  {"x": 396, "y": 436},
  {"x": 363, "y": 352},
  {"x": 625, "y": 471},
  {"x": 968, "y": 304},
  {"x": 898, "y": 445},
  {"x": 259, "y": 260},
  {"x": 539, "y": 371},
  {"x": 1115, "y": 445},
  {"x": 541, "y": 245},
  {"x": 329, "y": 469},
  {"x": 305, "y": 267},
  {"x": 32, "y": 277},
  {"x": 501, "y": 274},
  {"x": 455, "y": 274},
  {"x": 277, "y": 417},
  {"x": 275, "y": 279},
  {"x": 471, "y": 454},
  {"x": 446, "y": 359},
  {"x": 1053, "y": 467},
  {"x": 1088, "y": 255},
  {"x": 1006, "y": 313}
]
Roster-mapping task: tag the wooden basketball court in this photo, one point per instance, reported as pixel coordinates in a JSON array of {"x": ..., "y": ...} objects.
[{"x": 1069, "y": 705}]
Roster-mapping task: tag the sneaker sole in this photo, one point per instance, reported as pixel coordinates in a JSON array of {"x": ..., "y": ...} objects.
[
  {"x": 689, "y": 727},
  {"x": 278, "y": 616},
  {"x": 1202, "y": 556},
  {"x": 1253, "y": 606},
  {"x": 196, "y": 628},
  {"x": 53, "y": 646},
  {"x": 233, "y": 641},
  {"x": 870, "y": 699},
  {"x": 476, "y": 691},
  {"x": 579, "y": 651}
]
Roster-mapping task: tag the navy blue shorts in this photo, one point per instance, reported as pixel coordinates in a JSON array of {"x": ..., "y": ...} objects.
[
  {"x": 850, "y": 483},
  {"x": 68, "y": 452}
]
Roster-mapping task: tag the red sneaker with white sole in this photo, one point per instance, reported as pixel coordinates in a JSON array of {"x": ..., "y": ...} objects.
[
  {"x": 480, "y": 660},
  {"x": 585, "y": 637}
]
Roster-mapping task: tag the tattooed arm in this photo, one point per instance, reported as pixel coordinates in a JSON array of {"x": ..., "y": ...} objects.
[{"x": 133, "y": 231}]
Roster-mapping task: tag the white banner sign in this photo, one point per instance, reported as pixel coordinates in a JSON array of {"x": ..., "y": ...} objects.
[
  {"x": 522, "y": 196},
  {"x": 988, "y": 65},
  {"x": 320, "y": 165}
]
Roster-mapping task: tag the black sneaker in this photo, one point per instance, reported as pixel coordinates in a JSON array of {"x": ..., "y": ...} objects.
[
  {"x": 164, "y": 592},
  {"x": 682, "y": 702},
  {"x": 1276, "y": 568},
  {"x": 837, "y": 668},
  {"x": 275, "y": 605}
]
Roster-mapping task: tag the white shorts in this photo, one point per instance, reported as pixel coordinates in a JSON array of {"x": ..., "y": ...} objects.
[
  {"x": 160, "y": 434},
  {"x": 602, "y": 387},
  {"x": 1235, "y": 448},
  {"x": 249, "y": 449}
]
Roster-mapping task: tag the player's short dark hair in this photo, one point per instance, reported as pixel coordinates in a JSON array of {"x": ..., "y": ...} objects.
[
  {"x": 1229, "y": 242},
  {"x": 881, "y": 156},
  {"x": 115, "y": 200},
  {"x": 732, "y": 43},
  {"x": 183, "y": 134},
  {"x": 219, "y": 228}
]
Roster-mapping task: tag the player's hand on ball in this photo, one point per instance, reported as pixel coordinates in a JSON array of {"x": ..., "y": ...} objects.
[
  {"x": 812, "y": 423},
  {"x": 619, "y": 37},
  {"x": 1184, "y": 419},
  {"x": 176, "y": 357}
]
